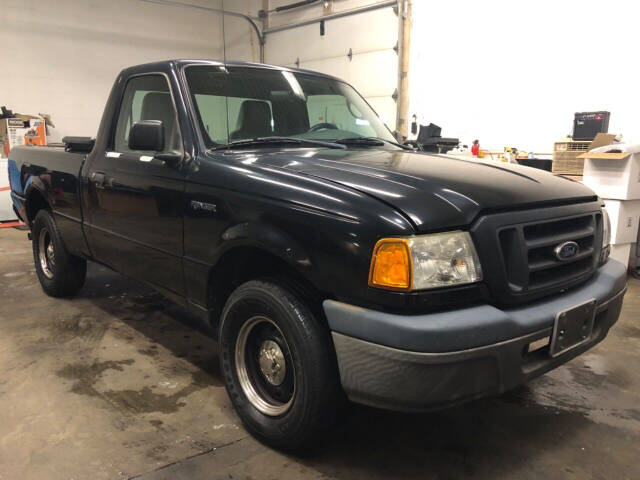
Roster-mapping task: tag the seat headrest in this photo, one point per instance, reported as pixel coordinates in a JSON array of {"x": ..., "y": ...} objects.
[
  {"x": 254, "y": 120},
  {"x": 158, "y": 106}
]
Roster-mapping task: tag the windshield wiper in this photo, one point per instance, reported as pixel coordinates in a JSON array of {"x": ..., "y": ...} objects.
[
  {"x": 370, "y": 141},
  {"x": 275, "y": 141}
]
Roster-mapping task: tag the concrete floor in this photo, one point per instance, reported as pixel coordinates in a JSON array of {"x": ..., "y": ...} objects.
[{"x": 116, "y": 383}]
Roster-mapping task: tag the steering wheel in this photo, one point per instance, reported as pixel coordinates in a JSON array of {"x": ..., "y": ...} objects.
[{"x": 321, "y": 126}]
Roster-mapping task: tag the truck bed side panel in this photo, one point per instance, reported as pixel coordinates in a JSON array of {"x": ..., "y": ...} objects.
[{"x": 55, "y": 174}]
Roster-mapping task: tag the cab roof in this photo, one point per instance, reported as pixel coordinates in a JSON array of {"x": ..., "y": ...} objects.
[{"x": 179, "y": 64}]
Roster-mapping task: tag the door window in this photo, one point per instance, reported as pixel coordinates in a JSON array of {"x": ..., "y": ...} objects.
[{"x": 147, "y": 98}]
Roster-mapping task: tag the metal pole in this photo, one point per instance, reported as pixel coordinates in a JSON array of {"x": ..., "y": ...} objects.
[
  {"x": 172, "y": 3},
  {"x": 332, "y": 16},
  {"x": 404, "y": 41}
]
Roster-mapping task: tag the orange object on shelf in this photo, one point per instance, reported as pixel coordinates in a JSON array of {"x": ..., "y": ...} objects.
[{"x": 21, "y": 130}]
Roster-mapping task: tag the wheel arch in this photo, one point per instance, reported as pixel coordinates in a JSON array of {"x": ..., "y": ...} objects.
[
  {"x": 253, "y": 251},
  {"x": 36, "y": 200}
]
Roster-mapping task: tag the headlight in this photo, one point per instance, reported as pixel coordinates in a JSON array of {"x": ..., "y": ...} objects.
[
  {"x": 425, "y": 261},
  {"x": 606, "y": 229}
]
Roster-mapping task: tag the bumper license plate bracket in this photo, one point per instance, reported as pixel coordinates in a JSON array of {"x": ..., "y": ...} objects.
[{"x": 572, "y": 327}]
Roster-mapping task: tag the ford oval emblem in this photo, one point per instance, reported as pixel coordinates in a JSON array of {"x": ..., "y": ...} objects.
[{"x": 566, "y": 250}]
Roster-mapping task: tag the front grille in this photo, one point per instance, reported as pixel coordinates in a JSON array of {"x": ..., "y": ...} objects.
[
  {"x": 527, "y": 265},
  {"x": 529, "y": 256}
]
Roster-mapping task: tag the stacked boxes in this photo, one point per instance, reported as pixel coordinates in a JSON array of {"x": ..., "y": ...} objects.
[
  {"x": 566, "y": 157},
  {"x": 21, "y": 130},
  {"x": 613, "y": 172},
  {"x": 16, "y": 131}
]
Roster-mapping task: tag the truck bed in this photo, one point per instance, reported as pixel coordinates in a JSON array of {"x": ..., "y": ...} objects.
[{"x": 54, "y": 174}]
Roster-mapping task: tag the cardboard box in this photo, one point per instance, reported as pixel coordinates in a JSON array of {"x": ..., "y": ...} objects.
[
  {"x": 26, "y": 130},
  {"x": 613, "y": 171},
  {"x": 625, "y": 220},
  {"x": 8, "y": 125},
  {"x": 567, "y": 155},
  {"x": 621, "y": 253}
]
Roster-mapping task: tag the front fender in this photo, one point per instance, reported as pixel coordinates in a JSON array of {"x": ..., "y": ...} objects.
[{"x": 273, "y": 240}]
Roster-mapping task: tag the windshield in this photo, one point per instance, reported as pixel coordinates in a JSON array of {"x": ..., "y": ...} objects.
[{"x": 240, "y": 103}]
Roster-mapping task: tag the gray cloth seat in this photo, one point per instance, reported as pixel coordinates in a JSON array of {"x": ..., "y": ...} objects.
[
  {"x": 158, "y": 106},
  {"x": 254, "y": 120}
]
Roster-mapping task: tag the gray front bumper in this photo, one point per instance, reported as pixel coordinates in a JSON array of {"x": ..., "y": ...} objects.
[{"x": 418, "y": 362}]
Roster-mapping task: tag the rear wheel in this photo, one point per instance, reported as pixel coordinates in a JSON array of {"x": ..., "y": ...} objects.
[
  {"x": 278, "y": 365},
  {"x": 60, "y": 273}
]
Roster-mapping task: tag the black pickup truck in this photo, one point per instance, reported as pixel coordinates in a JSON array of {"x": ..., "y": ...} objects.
[{"x": 276, "y": 206}]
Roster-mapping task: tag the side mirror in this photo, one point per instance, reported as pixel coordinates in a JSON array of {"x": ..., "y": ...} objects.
[{"x": 147, "y": 135}]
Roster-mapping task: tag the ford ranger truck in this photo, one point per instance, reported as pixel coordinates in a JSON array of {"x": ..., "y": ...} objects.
[{"x": 327, "y": 259}]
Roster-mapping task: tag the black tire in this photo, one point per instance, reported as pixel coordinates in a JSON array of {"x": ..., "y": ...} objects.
[
  {"x": 306, "y": 345},
  {"x": 63, "y": 276}
]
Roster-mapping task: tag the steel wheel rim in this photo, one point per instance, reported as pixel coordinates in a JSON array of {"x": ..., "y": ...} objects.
[
  {"x": 46, "y": 254},
  {"x": 248, "y": 375}
]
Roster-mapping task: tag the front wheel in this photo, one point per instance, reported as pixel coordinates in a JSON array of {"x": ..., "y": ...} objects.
[
  {"x": 278, "y": 365},
  {"x": 60, "y": 273}
]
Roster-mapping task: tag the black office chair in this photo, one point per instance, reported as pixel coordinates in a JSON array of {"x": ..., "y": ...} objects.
[{"x": 430, "y": 140}]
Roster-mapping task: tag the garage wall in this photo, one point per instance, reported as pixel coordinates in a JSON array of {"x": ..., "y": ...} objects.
[
  {"x": 373, "y": 70},
  {"x": 241, "y": 40},
  {"x": 61, "y": 57},
  {"x": 513, "y": 73}
]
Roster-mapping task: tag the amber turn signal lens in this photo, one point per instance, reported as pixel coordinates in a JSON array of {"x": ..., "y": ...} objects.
[{"x": 391, "y": 265}]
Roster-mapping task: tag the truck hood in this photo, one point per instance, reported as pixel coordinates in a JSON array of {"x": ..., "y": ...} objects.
[{"x": 433, "y": 191}]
